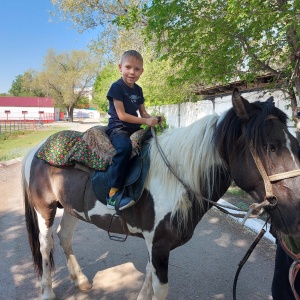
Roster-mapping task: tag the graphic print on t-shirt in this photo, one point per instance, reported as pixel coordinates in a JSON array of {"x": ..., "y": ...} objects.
[{"x": 133, "y": 98}]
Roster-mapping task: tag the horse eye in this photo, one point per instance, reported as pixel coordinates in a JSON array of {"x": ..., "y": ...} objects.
[{"x": 270, "y": 147}]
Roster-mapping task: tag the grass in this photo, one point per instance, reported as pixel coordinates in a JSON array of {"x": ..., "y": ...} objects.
[
  {"x": 236, "y": 191},
  {"x": 18, "y": 143},
  {"x": 238, "y": 197}
]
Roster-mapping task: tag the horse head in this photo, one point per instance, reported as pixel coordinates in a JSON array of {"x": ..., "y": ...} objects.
[{"x": 262, "y": 157}]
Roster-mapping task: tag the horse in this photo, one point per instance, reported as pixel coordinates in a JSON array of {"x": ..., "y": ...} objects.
[{"x": 249, "y": 144}]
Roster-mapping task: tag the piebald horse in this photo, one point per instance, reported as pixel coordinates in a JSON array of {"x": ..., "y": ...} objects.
[{"x": 248, "y": 144}]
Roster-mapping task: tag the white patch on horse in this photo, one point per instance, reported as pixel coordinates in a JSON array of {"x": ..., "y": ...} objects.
[
  {"x": 81, "y": 214},
  {"x": 99, "y": 210},
  {"x": 288, "y": 146},
  {"x": 28, "y": 160},
  {"x": 46, "y": 245},
  {"x": 188, "y": 146},
  {"x": 133, "y": 229}
]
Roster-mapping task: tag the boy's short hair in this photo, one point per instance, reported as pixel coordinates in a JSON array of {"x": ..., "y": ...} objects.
[{"x": 131, "y": 53}]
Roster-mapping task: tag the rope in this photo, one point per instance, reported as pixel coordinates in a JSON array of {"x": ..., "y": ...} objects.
[
  {"x": 187, "y": 187},
  {"x": 262, "y": 171},
  {"x": 245, "y": 258}
]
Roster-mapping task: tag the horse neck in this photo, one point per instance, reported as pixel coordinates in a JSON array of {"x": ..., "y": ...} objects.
[{"x": 191, "y": 155}]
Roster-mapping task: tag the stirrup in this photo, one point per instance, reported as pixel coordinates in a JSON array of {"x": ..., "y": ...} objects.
[{"x": 118, "y": 238}]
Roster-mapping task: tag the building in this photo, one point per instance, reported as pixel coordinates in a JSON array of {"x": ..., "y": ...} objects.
[{"x": 28, "y": 108}]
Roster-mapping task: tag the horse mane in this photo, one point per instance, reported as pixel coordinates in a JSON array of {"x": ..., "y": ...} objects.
[
  {"x": 189, "y": 148},
  {"x": 201, "y": 147},
  {"x": 227, "y": 137}
]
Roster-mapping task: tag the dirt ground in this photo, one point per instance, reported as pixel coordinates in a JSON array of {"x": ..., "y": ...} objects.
[{"x": 203, "y": 268}]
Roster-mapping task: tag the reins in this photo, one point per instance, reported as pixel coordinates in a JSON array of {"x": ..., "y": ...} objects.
[
  {"x": 245, "y": 258},
  {"x": 222, "y": 207},
  {"x": 255, "y": 209}
]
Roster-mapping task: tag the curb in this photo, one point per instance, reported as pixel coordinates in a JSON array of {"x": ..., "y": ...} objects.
[
  {"x": 253, "y": 224},
  {"x": 10, "y": 162}
]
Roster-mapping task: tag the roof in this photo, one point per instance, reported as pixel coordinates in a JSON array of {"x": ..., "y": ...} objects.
[
  {"x": 221, "y": 90},
  {"x": 26, "y": 101}
]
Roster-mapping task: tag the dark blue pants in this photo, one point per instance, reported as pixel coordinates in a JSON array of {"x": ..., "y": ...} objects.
[
  {"x": 281, "y": 289},
  {"x": 120, "y": 138}
]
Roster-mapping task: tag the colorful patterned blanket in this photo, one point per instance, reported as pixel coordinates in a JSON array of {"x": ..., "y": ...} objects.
[{"x": 92, "y": 148}]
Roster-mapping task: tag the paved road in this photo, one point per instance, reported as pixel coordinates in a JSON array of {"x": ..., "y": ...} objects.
[{"x": 204, "y": 268}]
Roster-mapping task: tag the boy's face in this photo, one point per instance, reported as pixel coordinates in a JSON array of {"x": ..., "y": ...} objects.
[{"x": 131, "y": 69}]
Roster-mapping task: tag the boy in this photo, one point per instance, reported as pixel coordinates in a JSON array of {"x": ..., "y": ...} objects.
[{"x": 125, "y": 98}]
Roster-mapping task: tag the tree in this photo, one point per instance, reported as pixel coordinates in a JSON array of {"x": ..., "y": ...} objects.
[
  {"x": 17, "y": 87},
  {"x": 24, "y": 85},
  {"x": 215, "y": 41},
  {"x": 220, "y": 41},
  {"x": 107, "y": 76},
  {"x": 65, "y": 76}
]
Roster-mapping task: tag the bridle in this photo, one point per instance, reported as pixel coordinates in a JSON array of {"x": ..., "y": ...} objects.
[
  {"x": 270, "y": 198},
  {"x": 255, "y": 209}
]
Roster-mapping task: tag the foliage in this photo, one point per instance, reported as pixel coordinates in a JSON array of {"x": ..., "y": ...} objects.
[
  {"x": 16, "y": 87},
  {"x": 159, "y": 83},
  {"x": 159, "y": 128},
  {"x": 213, "y": 42},
  {"x": 221, "y": 41},
  {"x": 82, "y": 102},
  {"x": 23, "y": 86},
  {"x": 107, "y": 76}
]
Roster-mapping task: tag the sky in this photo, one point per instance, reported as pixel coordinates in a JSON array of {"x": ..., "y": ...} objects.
[{"x": 26, "y": 33}]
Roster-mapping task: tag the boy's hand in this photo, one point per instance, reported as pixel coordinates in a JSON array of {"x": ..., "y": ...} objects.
[
  {"x": 152, "y": 121},
  {"x": 159, "y": 119}
]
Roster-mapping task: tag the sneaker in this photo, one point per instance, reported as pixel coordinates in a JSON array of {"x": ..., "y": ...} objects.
[{"x": 125, "y": 202}]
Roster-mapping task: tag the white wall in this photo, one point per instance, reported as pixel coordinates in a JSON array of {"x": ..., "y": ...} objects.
[
  {"x": 16, "y": 112},
  {"x": 186, "y": 113},
  {"x": 85, "y": 113}
]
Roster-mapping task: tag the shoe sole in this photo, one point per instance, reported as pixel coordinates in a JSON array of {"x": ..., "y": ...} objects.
[
  {"x": 110, "y": 206},
  {"x": 132, "y": 202}
]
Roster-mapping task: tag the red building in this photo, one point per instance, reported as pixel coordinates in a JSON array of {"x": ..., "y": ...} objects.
[{"x": 28, "y": 108}]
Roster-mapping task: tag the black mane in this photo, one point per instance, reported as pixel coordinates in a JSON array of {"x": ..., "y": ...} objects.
[{"x": 227, "y": 137}]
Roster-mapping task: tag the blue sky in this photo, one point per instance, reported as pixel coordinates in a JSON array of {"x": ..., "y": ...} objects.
[{"x": 26, "y": 34}]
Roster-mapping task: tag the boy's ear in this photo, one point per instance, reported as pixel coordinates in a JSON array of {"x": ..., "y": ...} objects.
[{"x": 120, "y": 67}]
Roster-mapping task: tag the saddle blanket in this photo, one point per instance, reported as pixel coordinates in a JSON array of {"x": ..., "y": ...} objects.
[{"x": 91, "y": 148}]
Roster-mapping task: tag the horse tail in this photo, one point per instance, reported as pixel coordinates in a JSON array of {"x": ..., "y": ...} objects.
[{"x": 32, "y": 223}]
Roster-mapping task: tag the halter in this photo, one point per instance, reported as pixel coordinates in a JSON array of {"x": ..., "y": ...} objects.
[
  {"x": 270, "y": 198},
  {"x": 255, "y": 209}
]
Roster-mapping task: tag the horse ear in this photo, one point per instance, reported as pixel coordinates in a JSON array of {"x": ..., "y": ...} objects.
[
  {"x": 241, "y": 106},
  {"x": 271, "y": 100}
]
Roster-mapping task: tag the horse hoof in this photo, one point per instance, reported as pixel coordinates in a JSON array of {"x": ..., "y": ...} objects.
[{"x": 85, "y": 286}]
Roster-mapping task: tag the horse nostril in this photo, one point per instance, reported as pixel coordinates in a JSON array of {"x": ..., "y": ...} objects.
[{"x": 273, "y": 201}]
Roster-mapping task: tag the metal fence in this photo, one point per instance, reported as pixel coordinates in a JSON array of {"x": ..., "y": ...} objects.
[{"x": 7, "y": 126}]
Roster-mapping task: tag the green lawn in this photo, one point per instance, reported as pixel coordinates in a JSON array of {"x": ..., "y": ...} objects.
[{"x": 18, "y": 143}]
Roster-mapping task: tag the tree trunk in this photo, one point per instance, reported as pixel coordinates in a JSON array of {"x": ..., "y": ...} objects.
[{"x": 70, "y": 113}]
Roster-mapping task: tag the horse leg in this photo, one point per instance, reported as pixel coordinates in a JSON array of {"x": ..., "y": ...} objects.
[
  {"x": 156, "y": 280},
  {"x": 146, "y": 292},
  {"x": 46, "y": 247},
  {"x": 65, "y": 233},
  {"x": 160, "y": 264}
]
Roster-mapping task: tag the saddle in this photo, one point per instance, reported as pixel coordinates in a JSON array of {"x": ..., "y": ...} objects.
[
  {"x": 134, "y": 180},
  {"x": 94, "y": 150}
]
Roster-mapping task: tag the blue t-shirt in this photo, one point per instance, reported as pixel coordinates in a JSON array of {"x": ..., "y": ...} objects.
[{"x": 132, "y": 98}]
